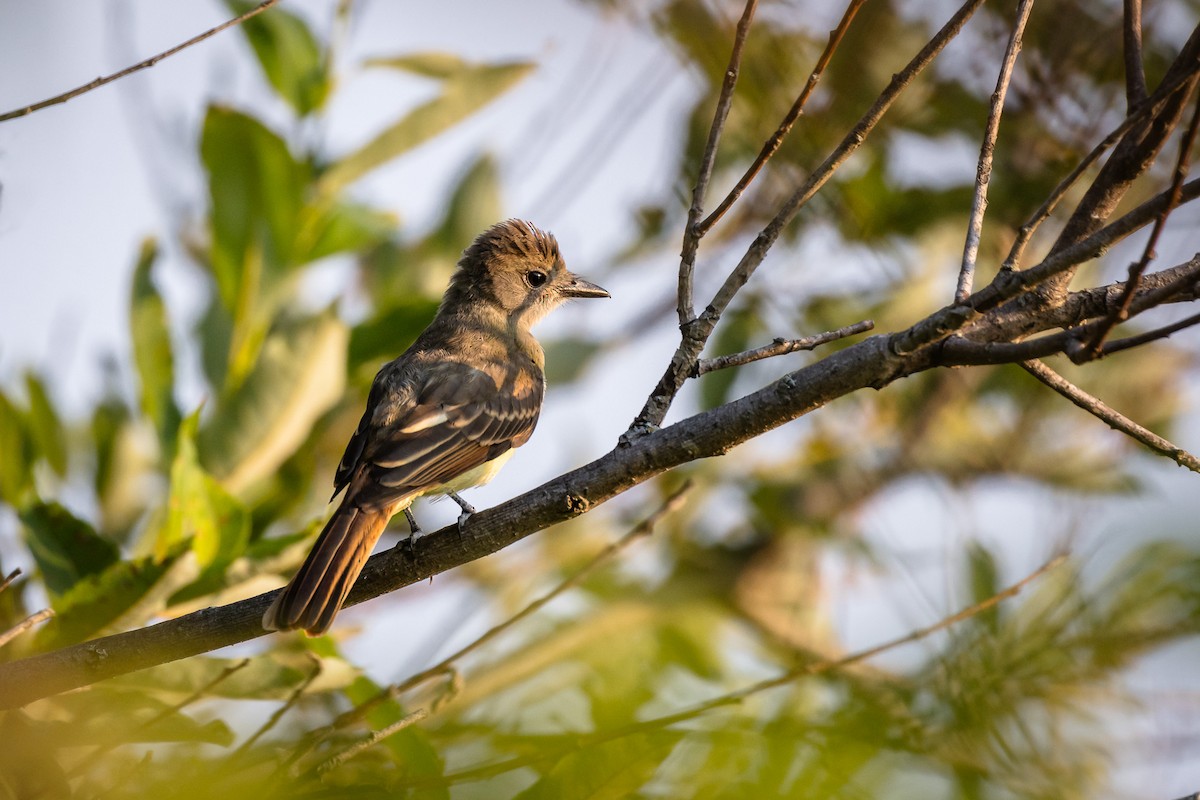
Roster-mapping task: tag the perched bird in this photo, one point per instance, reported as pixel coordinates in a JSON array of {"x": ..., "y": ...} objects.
[{"x": 445, "y": 415}]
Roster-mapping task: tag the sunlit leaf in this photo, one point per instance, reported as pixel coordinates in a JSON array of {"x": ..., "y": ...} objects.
[
  {"x": 106, "y": 715},
  {"x": 65, "y": 547},
  {"x": 289, "y": 54},
  {"x": 344, "y": 228},
  {"x": 152, "y": 355},
  {"x": 15, "y": 455},
  {"x": 608, "y": 771},
  {"x": 462, "y": 95},
  {"x": 300, "y": 375},
  {"x": 431, "y": 64}
]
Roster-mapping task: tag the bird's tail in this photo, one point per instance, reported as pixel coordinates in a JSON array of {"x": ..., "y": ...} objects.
[{"x": 315, "y": 595}]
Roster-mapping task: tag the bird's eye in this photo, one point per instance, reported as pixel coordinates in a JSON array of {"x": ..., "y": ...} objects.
[{"x": 536, "y": 278}]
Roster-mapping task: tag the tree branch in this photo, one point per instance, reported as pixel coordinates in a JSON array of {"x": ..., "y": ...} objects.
[
  {"x": 1135, "y": 74},
  {"x": 697, "y": 332},
  {"x": 691, "y": 232},
  {"x": 983, "y": 172},
  {"x": 1109, "y": 416},
  {"x": 779, "y": 347},
  {"x": 149, "y": 62},
  {"x": 771, "y": 146}
]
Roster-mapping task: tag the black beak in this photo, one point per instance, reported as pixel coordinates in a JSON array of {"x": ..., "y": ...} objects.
[{"x": 578, "y": 287}]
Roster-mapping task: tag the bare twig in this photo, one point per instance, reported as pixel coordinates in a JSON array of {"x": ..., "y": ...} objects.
[
  {"x": 1109, "y": 416},
  {"x": 104, "y": 749},
  {"x": 1135, "y": 74},
  {"x": 149, "y": 62},
  {"x": 25, "y": 624},
  {"x": 692, "y": 233},
  {"x": 372, "y": 740},
  {"x": 1150, "y": 336},
  {"x": 779, "y": 347},
  {"x": 983, "y": 172},
  {"x": 12, "y": 576},
  {"x": 772, "y": 144},
  {"x": 733, "y": 698},
  {"x": 642, "y": 529},
  {"x": 698, "y": 331},
  {"x": 1138, "y": 268},
  {"x": 277, "y": 715}
]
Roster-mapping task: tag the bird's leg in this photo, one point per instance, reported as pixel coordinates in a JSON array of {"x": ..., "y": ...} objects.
[
  {"x": 414, "y": 530},
  {"x": 467, "y": 511}
]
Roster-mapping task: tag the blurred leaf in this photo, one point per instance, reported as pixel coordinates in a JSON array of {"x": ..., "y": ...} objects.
[
  {"x": 389, "y": 333},
  {"x": 430, "y": 64},
  {"x": 102, "y": 715},
  {"x": 65, "y": 547},
  {"x": 199, "y": 510},
  {"x": 289, "y": 54},
  {"x": 99, "y": 601},
  {"x": 152, "y": 356},
  {"x": 984, "y": 580},
  {"x": 300, "y": 375},
  {"x": 15, "y": 455},
  {"x": 271, "y": 676},
  {"x": 345, "y": 228},
  {"x": 612, "y": 770},
  {"x": 463, "y": 94},
  {"x": 566, "y": 359},
  {"x": 45, "y": 428}
]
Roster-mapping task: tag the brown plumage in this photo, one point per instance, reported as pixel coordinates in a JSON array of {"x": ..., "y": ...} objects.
[{"x": 443, "y": 415}]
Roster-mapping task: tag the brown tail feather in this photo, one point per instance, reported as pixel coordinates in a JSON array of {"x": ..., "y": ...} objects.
[{"x": 317, "y": 592}]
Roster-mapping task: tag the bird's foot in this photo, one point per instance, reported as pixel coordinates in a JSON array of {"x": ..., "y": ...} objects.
[
  {"x": 413, "y": 528},
  {"x": 414, "y": 533},
  {"x": 467, "y": 511}
]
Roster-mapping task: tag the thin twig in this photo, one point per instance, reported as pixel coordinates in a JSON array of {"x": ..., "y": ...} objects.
[
  {"x": 772, "y": 144},
  {"x": 696, "y": 335},
  {"x": 1135, "y": 73},
  {"x": 25, "y": 624},
  {"x": 149, "y": 62},
  {"x": 983, "y": 172},
  {"x": 642, "y": 529},
  {"x": 779, "y": 347},
  {"x": 292, "y": 699},
  {"x": 1138, "y": 268},
  {"x": 372, "y": 740},
  {"x": 733, "y": 698},
  {"x": 12, "y": 576},
  {"x": 1150, "y": 336},
  {"x": 1109, "y": 416},
  {"x": 104, "y": 749},
  {"x": 691, "y": 233},
  {"x": 1136, "y": 115}
]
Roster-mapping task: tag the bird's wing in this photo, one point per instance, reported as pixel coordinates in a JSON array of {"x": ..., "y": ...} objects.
[{"x": 419, "y": 435}]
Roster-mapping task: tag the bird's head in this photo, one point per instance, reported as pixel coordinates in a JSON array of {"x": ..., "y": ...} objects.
[{"x": 517, "y": 268}]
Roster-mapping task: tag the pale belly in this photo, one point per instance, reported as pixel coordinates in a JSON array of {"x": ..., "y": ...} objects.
[{"x": 475, "y": 477}]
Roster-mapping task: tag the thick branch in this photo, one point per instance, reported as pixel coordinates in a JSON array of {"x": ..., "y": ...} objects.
[
  {"x": 149, "y": 62},
  {"x": 1135, "y": 75},
  {"x": 711, "y": 433}
]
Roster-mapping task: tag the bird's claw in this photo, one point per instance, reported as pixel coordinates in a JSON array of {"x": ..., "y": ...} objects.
[{"x": 467, "y": 511}]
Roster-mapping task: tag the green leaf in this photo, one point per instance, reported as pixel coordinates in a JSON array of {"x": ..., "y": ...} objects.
[
  {"x": 152, "y": 348},
  {"x": 430, "y": 64},
  {"x": 300, "y": 375},
  {"x": 289, "y": 54},
  {"x": 270, "y": 676},
  {"x": 45, "y": 428},
  {"x": 200, "y": 510},
  {"x": 106, "y": 715},
  {"x": 344, "y": 228},
  {"x": 125, "y": 594},
  {"x": 15, "y": 468},
  {"x": 612, "y": 770},
  {"x": 467, "y": 91},
  {"x": 256, "y": 188},
  {"x": 66, "y": 548},
  {"x": 386, "y": 335}
]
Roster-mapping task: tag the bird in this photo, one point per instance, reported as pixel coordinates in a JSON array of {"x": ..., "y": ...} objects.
[{"x": 442, "y": 417}]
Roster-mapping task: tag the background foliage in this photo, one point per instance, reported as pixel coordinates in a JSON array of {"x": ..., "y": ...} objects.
[{"x": 194, "y": 506}]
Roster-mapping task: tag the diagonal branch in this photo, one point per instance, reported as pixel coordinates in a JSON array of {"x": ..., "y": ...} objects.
[
  {"x": 141, "y": 65},
  {"x": 697, "y": 332},
  {"x": 779, "y": 347},
  {"x": 983, "y": 173},
  {"x": 772, "y": 144},
  {"x": 692, "y": 232},
  {"x": 1135, "y": 74},
  {"x": 1109, "y": 416},
  {"x": 1182, "y": 164}
]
